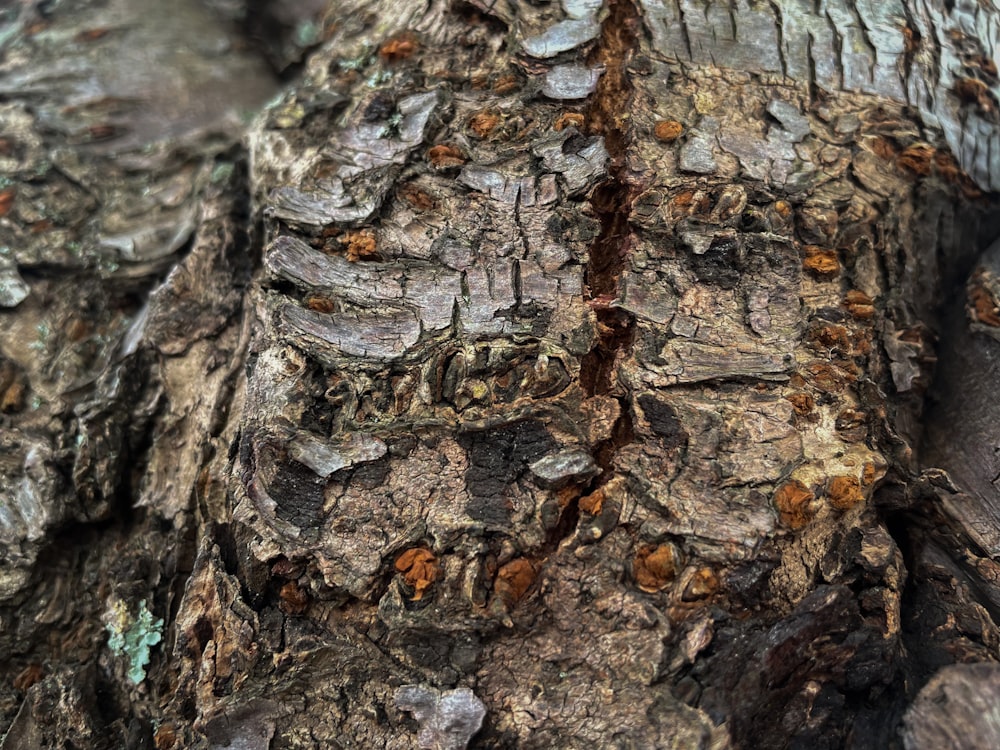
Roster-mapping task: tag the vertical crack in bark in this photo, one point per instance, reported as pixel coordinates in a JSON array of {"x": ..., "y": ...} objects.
[{"x": 607, "y": 115}]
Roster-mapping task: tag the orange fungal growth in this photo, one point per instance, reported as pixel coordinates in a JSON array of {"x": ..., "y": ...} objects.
[
  {"x": 360, "y": 244},
  {"x": 820, "y": 262},
  {"x": 514, "y": 579},
  {"x": 444, "y": 155},
  {"x": 793, "y": 501},
  {"x": 420, "y": 569},
  {"x": 483, "y": 123},
  {"x": 667, "y": 131},
  {"x": 399, "y": 47},
  {"x": 844, "y": 492},
  {"x": 655, "y": 567}
]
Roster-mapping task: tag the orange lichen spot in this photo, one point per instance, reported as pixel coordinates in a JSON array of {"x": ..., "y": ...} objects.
[
  {"x": 702, "y": 585},
  {"x": 982, "y": 304},
  {"x": 483, "y": 123},
  {"x": 859, "y": 305},
  {"x": 444, "y": 155},
  {"x": 506, "y": 84},
  {"x": 821, "y": 262},
  {"x": 360, "y": 244},
  {"x": 916, "y": 159},
  {"x": 399, "y": 47},
  {"x": 7, "y": 200},
  {"x": 514, "y": 579},
  {"x": 844, "y": 492},
  {"x": 883, "y": 148},
  {"x": 568, "y": 120},
  {"x": 783, "y": 209},
  {"x": 654, "y": 568},
  {"x": 803, "y": 403},
  {"x": 479, "y": 81},
  {"x": 293, "y": 599},
  {"x": 419, "y": 199},
  {"x": 319, "y": 303},
  {"x": 420, "y": 569},
  {"x": 667, "y": 131},
  {"x": 165, "y": 737},
  {"x": 28, "y": 677},
  {"x": 593, "y": 502},
  {"x": 793, "y": 501}
]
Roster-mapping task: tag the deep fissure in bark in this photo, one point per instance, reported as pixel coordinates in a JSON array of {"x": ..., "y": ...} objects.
[{"x": 611, "y": 202}]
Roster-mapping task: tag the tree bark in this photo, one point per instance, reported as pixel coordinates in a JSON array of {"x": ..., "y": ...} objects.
[{"x": 555, "y": 368}]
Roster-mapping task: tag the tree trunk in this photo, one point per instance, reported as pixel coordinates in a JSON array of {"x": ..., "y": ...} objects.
[{"x": 559, "y": 368}]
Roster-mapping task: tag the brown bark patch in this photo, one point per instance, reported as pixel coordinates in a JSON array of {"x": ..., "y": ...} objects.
[
  {"x": 593, "y": 502},
  {"x": 859, "y": 305},
  {"x": 793, "y": 501},
  {"x": 7, "y": 200},
  {"x": 420, "y": 569},
  {"x": 419, "y": 199},
  {"x": 484, "y": 123},
  {"x": 513, "y": 580},
  {"x": 830, "y": 338},
  {"x": 165, "y": 737},
  {"x": 916, "y": 159},
  {"x": 827, "y": 377},
  {"x": 28, "y": 677},
  {"x": 844, "y": 492},
  {"x": 399, "y": 47},
  {"x": 654, "y": 568},
  {"x": 506, "y": 84},
  {"x": 703, "y": 584},
  {"x": 360, "y": 244},
  {"x": 803, "y": 403},
  {"x": 293, "y": 599},
  {"x": 883, "y": 148},
  {"x": 852, "y": 425},
  {"x": 445, "y": 155},
  {"x": 974, "y": 91},
  {"x": 820, "y": 262},
  {"x": 982, "y": 304},
  {"x": 318, "y": 303},
  {"x": 567, "y": 120},
  {"x": 668, "y": 131}
]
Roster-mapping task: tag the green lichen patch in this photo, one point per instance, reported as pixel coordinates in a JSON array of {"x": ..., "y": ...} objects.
[{"x": 132, "y": 637}]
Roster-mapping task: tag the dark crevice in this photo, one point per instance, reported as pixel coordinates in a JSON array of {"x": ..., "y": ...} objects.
[{"x": 611, "y": 202}]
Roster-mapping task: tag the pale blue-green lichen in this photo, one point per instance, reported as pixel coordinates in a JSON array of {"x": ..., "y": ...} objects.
[{"x": 132, "y": 637}]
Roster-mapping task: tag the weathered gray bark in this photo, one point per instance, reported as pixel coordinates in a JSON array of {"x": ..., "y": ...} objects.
[{"x": 571, "y": 354}]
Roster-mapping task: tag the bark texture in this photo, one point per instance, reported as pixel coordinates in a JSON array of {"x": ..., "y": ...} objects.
[{"x": 558, "y": 363}]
